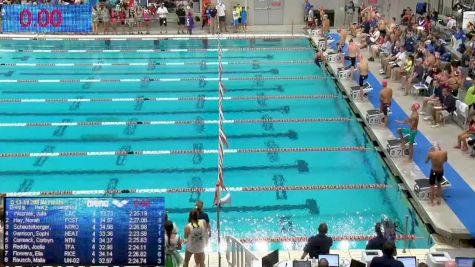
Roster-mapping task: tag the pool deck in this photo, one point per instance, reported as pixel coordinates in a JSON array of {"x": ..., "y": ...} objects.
[{"x": 442, "y": 218}]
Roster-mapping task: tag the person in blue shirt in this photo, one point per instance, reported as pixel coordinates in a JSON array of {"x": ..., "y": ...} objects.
[
  {"x": 306, "y": 9},
  {"x": 243, "y": 19}
]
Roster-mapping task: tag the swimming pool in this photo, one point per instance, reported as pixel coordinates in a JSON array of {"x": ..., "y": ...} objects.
[{"x": 161, "y": 96}]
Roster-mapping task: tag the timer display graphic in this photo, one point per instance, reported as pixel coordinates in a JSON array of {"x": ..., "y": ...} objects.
[{"x": 47, "y": 18}]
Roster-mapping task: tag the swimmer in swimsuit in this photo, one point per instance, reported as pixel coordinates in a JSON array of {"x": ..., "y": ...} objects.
[
  {"x": 413, "y": 122},
  {"x": 438, "y": 157},
  {"x": 385, "y": 97}
]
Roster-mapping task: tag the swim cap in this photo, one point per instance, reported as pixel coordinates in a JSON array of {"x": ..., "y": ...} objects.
[
  {"x": 385, "y": 83},
  {"x": 416, "y": 106}
]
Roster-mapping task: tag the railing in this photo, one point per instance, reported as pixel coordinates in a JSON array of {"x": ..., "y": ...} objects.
[{"x": 237, "y": 255}]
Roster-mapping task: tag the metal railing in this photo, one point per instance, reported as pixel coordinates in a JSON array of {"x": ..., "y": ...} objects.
[{"x": 237, "y": 255}]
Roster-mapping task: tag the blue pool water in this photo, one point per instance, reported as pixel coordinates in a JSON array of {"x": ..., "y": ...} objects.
[{"x": 253, "y": 214}]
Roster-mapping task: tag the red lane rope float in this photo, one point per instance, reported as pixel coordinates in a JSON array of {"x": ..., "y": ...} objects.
[
  {"x": 314, "y": 77},
  {"x": 155, "y": 63},
  {"x": 202, "y": 190},
  {"x": 182, "y": 152},
  {"x": 305, "y": 239},
  {"x": 164, "y": 122},
  {"x": 153, "y": 50},
  {"x": 155, "y": 37},
  {"x": 140, "y": 99}
]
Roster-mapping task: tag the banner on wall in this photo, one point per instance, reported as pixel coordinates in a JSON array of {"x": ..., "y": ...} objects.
[
  {"x": 468, "y": 16},
  {"x": 47, "y": 18}
]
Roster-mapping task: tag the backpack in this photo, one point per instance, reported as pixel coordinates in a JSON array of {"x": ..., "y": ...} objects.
[{"x": 213, "y": 12}]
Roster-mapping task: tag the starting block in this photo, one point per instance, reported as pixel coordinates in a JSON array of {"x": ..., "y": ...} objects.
[
  {"x": 422, "y": 187},
  {"x": 333, "y": 57},
  {"x": 375, "y": 116},
  {"x": 355, "y": 90},
  {"x": 394, "y": 147},
  {"x": 344, "y": 73},
  {"x": 316, "y": 32}
]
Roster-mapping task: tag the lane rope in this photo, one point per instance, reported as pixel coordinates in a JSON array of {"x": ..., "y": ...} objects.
[
  {"x": 186, "y": 50},
  {"x": 170, "y": 122},
  {"x": 312, "y": 77},
  {"x": 153, "y": 37},
  {"x": 204, "y": 63},
  {"x": 141, "y": 99},
  {"x": 305, "y": 238},
  {"x": 201, "y": 190},
  {"x": 182, "y": 152}
]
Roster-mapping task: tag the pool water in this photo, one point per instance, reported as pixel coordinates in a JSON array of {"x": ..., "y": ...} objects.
[{"x": 261, "y": 214}]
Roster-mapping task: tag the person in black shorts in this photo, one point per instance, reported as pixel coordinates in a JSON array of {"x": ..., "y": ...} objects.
[
  {"x": 438, "y": 157},
  {"x": 363, "y": 78}
]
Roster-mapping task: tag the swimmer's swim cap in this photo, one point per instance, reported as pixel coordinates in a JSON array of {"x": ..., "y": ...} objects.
[
  {"x": 416, "y": 106},
  {"x": 385, "y": 83}
]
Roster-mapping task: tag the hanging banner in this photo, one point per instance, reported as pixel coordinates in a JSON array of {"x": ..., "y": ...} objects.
[{"x": 47, "y": 18}]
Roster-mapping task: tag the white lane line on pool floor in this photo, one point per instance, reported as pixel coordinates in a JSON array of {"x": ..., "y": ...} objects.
[
  {"x": 155, "y": 63},
  {"x": 171, "y": 122},
  {"x": 154, "y": 50},
  {"x": 207, "y": 190},
  {"x": 157, "y": 99},
  {"x": 182, "y": 152},
  {"x": 313, "y": 77}
]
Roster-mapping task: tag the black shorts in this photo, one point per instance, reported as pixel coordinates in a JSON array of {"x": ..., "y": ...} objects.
[
  {"x": 163, "y": 21},
  {"x": 239, "y": 20},
  {"x": 222, "y": 19},
  {"x": 181, "y": 21},
  {"x": 363, "y": 79},
  {"x": 384, "y": 108},
  {"x": 353, "y": 61},
  {"x": 436, "y": 176}
]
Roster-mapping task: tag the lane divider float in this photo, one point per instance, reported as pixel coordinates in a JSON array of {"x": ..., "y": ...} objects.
[
  {"x": 170, "y": 122},
  {"x": 155, "y": 63},
  {"x": 313, "y": 77},
  {"x": 141, "y": 99},
  {"x": 201, "y": 190},
  {"x": 182, "y": 152},
  {"x": 185, "y": 50}
]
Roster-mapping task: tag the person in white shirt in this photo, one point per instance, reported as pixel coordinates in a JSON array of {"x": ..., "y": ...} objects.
[
  {"x": 162, "y": 12},
  {"x": 221, "y": 10},
  {"x": 399, "y": 61},
  {"x": 452, "y": 23}
]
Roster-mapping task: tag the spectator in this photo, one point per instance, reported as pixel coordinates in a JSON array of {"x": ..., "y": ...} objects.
[
  {"x": 387, "y": 260},
  {"x": 190, "y": 22},
  {"x": 438, "y": 157},
  {"x": 162, "y": 12},
  {"x": 462, "y": 138},
  {"x": 451, "y": 23},
  {"x": 349, "y": 12},
  {"x": 399, "y": 60},
  {"x": 196, "y": 239},
  {"x": 244, "y": 20},
  {"x": 202, "y": 215},
  {"x": 181, "y": 14},
  {"x": 433, "y": 100},
  {"x": 470, "y": 97},
  {"x": 444, "y": 110},
  {"x": 378, "y": 241},
  {"x": 306, "y": 9},
  {"x": 221, "y": 10},
  {"x": 172, "y": 244},
  {"x": 318, "y": 244},
  {"x": 404, "y": 70},
  {"x": 415, "y": 77}
]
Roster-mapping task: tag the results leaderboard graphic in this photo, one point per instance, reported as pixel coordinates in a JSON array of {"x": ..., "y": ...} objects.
[
  {"x": 47, "y": 18},
  {"x": 84, "y": 231}
]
